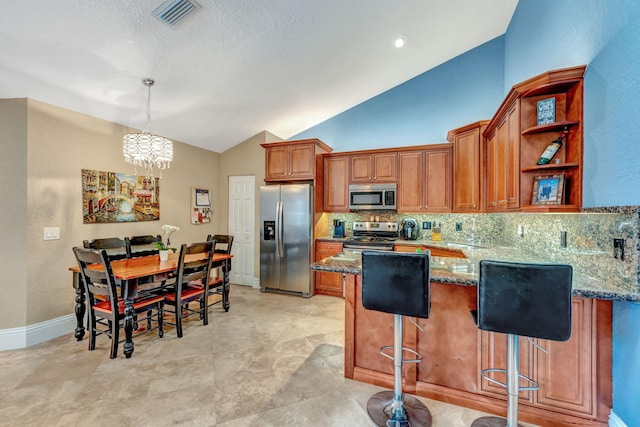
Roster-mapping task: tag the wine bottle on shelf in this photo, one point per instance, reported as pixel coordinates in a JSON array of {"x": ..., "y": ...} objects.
[{"x": 551, "y": 150}]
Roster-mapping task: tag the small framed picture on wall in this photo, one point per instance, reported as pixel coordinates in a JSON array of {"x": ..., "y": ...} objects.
[{"x": 201, "y": 211}]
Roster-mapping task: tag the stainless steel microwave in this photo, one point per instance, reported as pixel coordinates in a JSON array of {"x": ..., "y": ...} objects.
[{"x": 372, "y": 196}]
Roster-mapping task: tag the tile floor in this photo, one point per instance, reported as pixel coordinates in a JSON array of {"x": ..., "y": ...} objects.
[{"x": 272, "y": 360}]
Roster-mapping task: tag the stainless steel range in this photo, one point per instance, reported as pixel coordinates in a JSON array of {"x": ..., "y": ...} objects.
[{"x": 378, "y": 236}]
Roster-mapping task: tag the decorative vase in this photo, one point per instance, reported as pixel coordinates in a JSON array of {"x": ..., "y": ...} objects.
[{"x": 164, "y": 254}]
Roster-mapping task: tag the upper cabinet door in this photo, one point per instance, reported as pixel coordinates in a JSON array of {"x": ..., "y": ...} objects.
[
  {"x": 336, "y": 183},
  {"x": 294, "y": 160},
  {"x": 425, "y": 180},
  {"x": 362, "y": 168},
  {"x": 385, "y": 167},
  {"x": 491, "y": 170},
  {"x": 277, "y": 163},
  {"x": 437, "y": 195},
  {"x": 302, "y": 162},
  {"x": 468, "y": 152},
  {"x": 374, "y": 168},
  {"x": 513, "y": 157},
  {"x": 411, "y": 182}
]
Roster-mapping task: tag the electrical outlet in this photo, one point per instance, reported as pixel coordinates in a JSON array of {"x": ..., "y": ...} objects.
[
  {"x": 563, "y": 239},
  {"x": 618, "y": 249},
  {"x": 426, "y": 225},
  {"x": 458, "y": 226}
]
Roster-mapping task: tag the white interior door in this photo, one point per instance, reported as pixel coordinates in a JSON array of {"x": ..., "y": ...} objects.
[{"x": 241, "y": 226}]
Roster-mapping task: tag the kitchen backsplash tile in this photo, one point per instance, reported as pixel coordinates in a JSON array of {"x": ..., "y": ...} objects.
[{"x": 589, "y": 242}]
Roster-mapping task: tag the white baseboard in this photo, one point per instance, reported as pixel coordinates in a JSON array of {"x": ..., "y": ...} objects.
[
  {"x": 615, "y": 421},
  {"x": 25, "y": 336},
  {"x": 256, "y": 283}
]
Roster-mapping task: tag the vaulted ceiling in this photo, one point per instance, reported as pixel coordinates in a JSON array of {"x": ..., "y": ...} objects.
[{"x": 232, "y": 68}]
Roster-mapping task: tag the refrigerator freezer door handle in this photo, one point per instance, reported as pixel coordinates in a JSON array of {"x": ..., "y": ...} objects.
[{"x": 279, "y": 230}]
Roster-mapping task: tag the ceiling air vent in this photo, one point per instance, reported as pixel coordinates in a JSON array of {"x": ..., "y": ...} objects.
[{"x": 173, "y": 11}]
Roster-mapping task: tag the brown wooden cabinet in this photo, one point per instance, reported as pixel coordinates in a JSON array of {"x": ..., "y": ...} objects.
[
  {"x": 425, "y": 179},
  {"x": 327, "y": 283},
  {"x": 574, "y": 377},
  {"x": 336, "y": 183},
  {"x": 374, "y": 167},
  {"x": 569, "y": 375},
  {"x": 293, "y": 160},
  {"x": 503, "y": 162},
  {"x": 514, "y": 142},
  {"x": 468, "y": 167}
]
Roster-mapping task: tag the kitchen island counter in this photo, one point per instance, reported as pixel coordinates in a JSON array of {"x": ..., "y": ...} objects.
[
  {"x": 464, "y": 271},
  {"x": 576, "y": 390}
]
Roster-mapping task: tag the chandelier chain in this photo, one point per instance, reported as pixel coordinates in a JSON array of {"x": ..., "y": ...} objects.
[{"x": 148, "y": 83}]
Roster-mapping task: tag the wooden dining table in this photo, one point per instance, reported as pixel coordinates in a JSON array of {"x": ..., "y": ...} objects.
[{"x": 128, "y": 274}]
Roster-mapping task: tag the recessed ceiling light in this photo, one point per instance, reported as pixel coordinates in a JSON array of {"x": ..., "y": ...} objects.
[{"x": 400, "y": 40}]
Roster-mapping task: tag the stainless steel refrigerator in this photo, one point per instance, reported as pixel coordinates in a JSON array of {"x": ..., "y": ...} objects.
[{"x": 286, "y": 227}]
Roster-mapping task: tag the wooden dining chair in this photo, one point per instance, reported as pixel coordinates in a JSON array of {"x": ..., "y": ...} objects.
[
  {"x": 191, "y": 284},
  {"x": 116, "y": 248},
  {"x": 106, "y": 309},
  {"x": 138, "y": 246},
  {"x": 222, "y": 244}
]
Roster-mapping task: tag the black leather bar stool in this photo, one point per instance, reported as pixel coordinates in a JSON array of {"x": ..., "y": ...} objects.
[
  {"x": 519, "y": 299},
  {"x": 397, "y": 283}
]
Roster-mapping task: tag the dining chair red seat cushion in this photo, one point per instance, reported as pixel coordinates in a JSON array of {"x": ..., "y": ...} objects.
[
  {"x": 188, "y": 293},
  {"x": 215, "y": 282},
  {"x": 105, "y": 306}
]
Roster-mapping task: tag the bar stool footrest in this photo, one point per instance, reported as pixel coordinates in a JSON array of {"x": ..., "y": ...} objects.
[
  {"x": 418, "y": 358},
  {"x": 484, "y": 375}
]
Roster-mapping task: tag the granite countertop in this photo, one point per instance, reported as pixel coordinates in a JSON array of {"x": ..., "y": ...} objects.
[{"x": 464, "y": 271}]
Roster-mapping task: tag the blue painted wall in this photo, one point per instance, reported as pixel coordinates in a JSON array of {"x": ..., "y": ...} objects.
[
  {"x": 542, "y": 35},
  {"x": 605, "y": 35},
  {"x": 422, "y": 110}
]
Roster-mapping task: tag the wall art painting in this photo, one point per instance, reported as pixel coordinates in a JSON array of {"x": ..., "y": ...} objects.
[{"x": 118, "y": 197}]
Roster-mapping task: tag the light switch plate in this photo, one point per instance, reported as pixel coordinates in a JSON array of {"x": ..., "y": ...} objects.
[{"x": 51, "y": 233}]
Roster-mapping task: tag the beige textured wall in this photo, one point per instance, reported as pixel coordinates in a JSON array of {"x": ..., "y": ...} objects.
[
  {"x": 246, "y": 158},
  {"x": 60, "y": 144},
  {"x": 13, "y": 212}
]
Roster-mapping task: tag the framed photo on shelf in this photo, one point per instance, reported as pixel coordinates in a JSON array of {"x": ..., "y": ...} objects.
[
  {"x": 200, "y": 206},
  {"x": 547, "y": 189},
  {"x": 546, "y": 111}
]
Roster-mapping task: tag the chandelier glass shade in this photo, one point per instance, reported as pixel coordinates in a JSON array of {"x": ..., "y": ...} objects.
[{"x": 145, "y": 149}]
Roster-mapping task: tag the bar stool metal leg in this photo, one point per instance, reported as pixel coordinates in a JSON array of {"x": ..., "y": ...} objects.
[
  {"x": 512, "y": 380},
  {"x": 393, "y": 409},
  {"x": 512, "y": 390}
]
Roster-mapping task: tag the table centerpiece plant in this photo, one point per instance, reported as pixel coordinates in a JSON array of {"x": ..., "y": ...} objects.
[{"x": 167, "y": 231}]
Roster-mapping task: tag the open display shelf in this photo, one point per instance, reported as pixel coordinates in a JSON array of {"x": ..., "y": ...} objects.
[{"x": 566, "y": 87}]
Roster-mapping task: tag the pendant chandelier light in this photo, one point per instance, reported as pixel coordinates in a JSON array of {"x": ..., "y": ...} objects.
[{"x": 145, "y": 149}]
